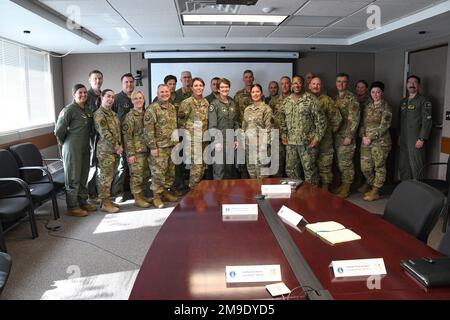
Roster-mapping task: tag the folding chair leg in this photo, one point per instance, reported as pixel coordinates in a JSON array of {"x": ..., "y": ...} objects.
[
  {"x": 34, "y": 231},
  {"x": 55, "y": 206}
]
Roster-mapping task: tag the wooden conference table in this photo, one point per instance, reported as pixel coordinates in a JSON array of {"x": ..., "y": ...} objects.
[{"x": 188, "y": 256}]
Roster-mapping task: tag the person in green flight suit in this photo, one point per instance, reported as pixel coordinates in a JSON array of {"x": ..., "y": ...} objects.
[
  {"x": 72, "y": 131},
  {"x": 415, "y": 128}
]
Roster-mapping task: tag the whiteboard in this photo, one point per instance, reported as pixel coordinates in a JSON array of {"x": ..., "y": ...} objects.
[{"x": 264, "y": 72}]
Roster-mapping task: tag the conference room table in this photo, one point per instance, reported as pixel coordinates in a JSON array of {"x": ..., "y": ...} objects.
[{"x": 187, "y": 258}]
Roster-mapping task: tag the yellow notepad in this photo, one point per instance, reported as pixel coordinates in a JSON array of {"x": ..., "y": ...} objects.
[{"x": 332, "y": 232}]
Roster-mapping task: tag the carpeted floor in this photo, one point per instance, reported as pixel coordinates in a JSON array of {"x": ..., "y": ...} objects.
[{"x": 96, "y": 257}]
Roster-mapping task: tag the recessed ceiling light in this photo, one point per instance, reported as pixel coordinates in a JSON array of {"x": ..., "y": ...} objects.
[{"x": 231, "y": 19}]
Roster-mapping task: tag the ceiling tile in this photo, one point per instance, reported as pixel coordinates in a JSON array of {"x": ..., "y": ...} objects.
[
  {"x": 308, "y": 21},
  {"x": 339, "y": 32},
  {"x": 293, "y": 32},
  {"x": 280, "y": 7},
  {"x": 250, "y": 31},
  {"x": 331, "y": 8},
  {"x": 205, "y": 31}
]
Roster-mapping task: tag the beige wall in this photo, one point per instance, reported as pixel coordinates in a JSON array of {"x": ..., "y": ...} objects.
[
  {"x": 76, "y": 68},
  {"x": 328, "y": 64}
]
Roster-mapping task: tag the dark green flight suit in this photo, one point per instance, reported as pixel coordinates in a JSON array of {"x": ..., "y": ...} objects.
[
  {"x": 122, "y": 105},
  {"x": 415, "y": 124},
  {"x": 93, "y": 102},
  {"x": 224, "y": 116},
  {"x": 72, "y": 130}
]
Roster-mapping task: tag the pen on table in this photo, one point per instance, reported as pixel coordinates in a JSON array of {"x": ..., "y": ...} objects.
[{"x": 429, "y": 260}]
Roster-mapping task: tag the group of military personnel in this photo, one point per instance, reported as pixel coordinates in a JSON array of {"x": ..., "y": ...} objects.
[{"x": 302, "y": 131}]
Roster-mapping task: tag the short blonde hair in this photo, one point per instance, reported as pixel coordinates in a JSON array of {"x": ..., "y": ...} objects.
[{"x": 133, "y": 95}]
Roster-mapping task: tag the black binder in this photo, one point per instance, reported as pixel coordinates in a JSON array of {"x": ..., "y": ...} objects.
[{"x": 431, "y": 272}]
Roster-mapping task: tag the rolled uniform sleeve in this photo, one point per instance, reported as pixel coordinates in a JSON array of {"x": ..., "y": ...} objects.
[
  {"x": 320, "y": 120},
  {"x": 149, "y": 128},
  {"x": 385, "y": 124},
  {"x": 127, "y": 132},
  {"x": 101, "y": 125},
  {"x": 353, "y": 118}
]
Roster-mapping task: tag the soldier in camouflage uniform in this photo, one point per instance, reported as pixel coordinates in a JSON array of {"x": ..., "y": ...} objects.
[
  {"x": 273, "y": 92},
  {"x": 224, "y": 115},
  {"x": 344, "y": 140},
  {"x": 109, "y": 148},
  {"x": 376, "y": 140},
  {"x": 136, "y": 149},
  {"x": 334, "y": 118},
  {"x": 303, "y": 125},
  {"x": 181, "y": 94},
  {"x": 171, "y": 81},
  {"x": 72, "y": 132},
  {"x": 258, "y": 120},
  {"x": 363, "y": 97},
  {"x": 243, "y": 99},
  {"x": 415, "y": 128},
  {"x": 160, "y": 121},
  {"x": 193, "y": 117},
  {"x": 275, "y": 104}
]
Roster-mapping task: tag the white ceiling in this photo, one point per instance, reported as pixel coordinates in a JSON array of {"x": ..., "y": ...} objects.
[{"x": 156, "y": 25}]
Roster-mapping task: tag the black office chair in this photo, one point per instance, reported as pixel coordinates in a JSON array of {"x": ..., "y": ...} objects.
[
  {"x": 15, "y": 195},
  {"x": 415, "y": 207},
  {"x": 5, "y": 268},
  {"x": 28, "y": 155},
  {"x": 441, "y": 185},
  {"x": 444, "y": 245},
  {"x": 39, "y": 178}
]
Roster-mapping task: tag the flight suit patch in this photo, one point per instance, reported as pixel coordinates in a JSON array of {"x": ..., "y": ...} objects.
[
  {"x": 411, "y": 107},
  {"x": 211, "y": 108}
]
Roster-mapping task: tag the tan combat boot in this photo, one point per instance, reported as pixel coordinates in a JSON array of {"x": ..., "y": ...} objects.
[
  {"x": 77, "y": 212},
  {"x": 345, "y": 190},
  {"x": 108, "y": 206},
  {"x": 89, "y": 207},
  {"x": 157, "y": 202},
  {"x": 364, "y": 188},
  {"x": 167, "y": 196},
  {"x": 373, "y": 194},
  {"x": 139, "y": 201}
]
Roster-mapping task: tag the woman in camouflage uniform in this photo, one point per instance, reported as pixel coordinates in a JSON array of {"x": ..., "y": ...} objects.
[
  {"x": 109, "y": 148},
  {"x": 376, "y": 140},
  {"x": 257, "y": 124},
  {"x": 136, "y": 149},
  {"x": 193, "y": 116}
]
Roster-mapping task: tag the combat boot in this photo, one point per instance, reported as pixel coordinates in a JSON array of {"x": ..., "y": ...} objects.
[
  {"x": 89, "y": 207},
  {"x": 364, "y": 188},
  {"x": 108, "y": 206},
  {"x": 139, "y": 201},
  {"x": 373, "y": 194},
  {"x": 167, "y": 196},
  {"x": 345, "y": 190},
  {"x": 77, "y": 212},
  {"x": 325, "y": 187},
  {"x": 157, "y": 202}
]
